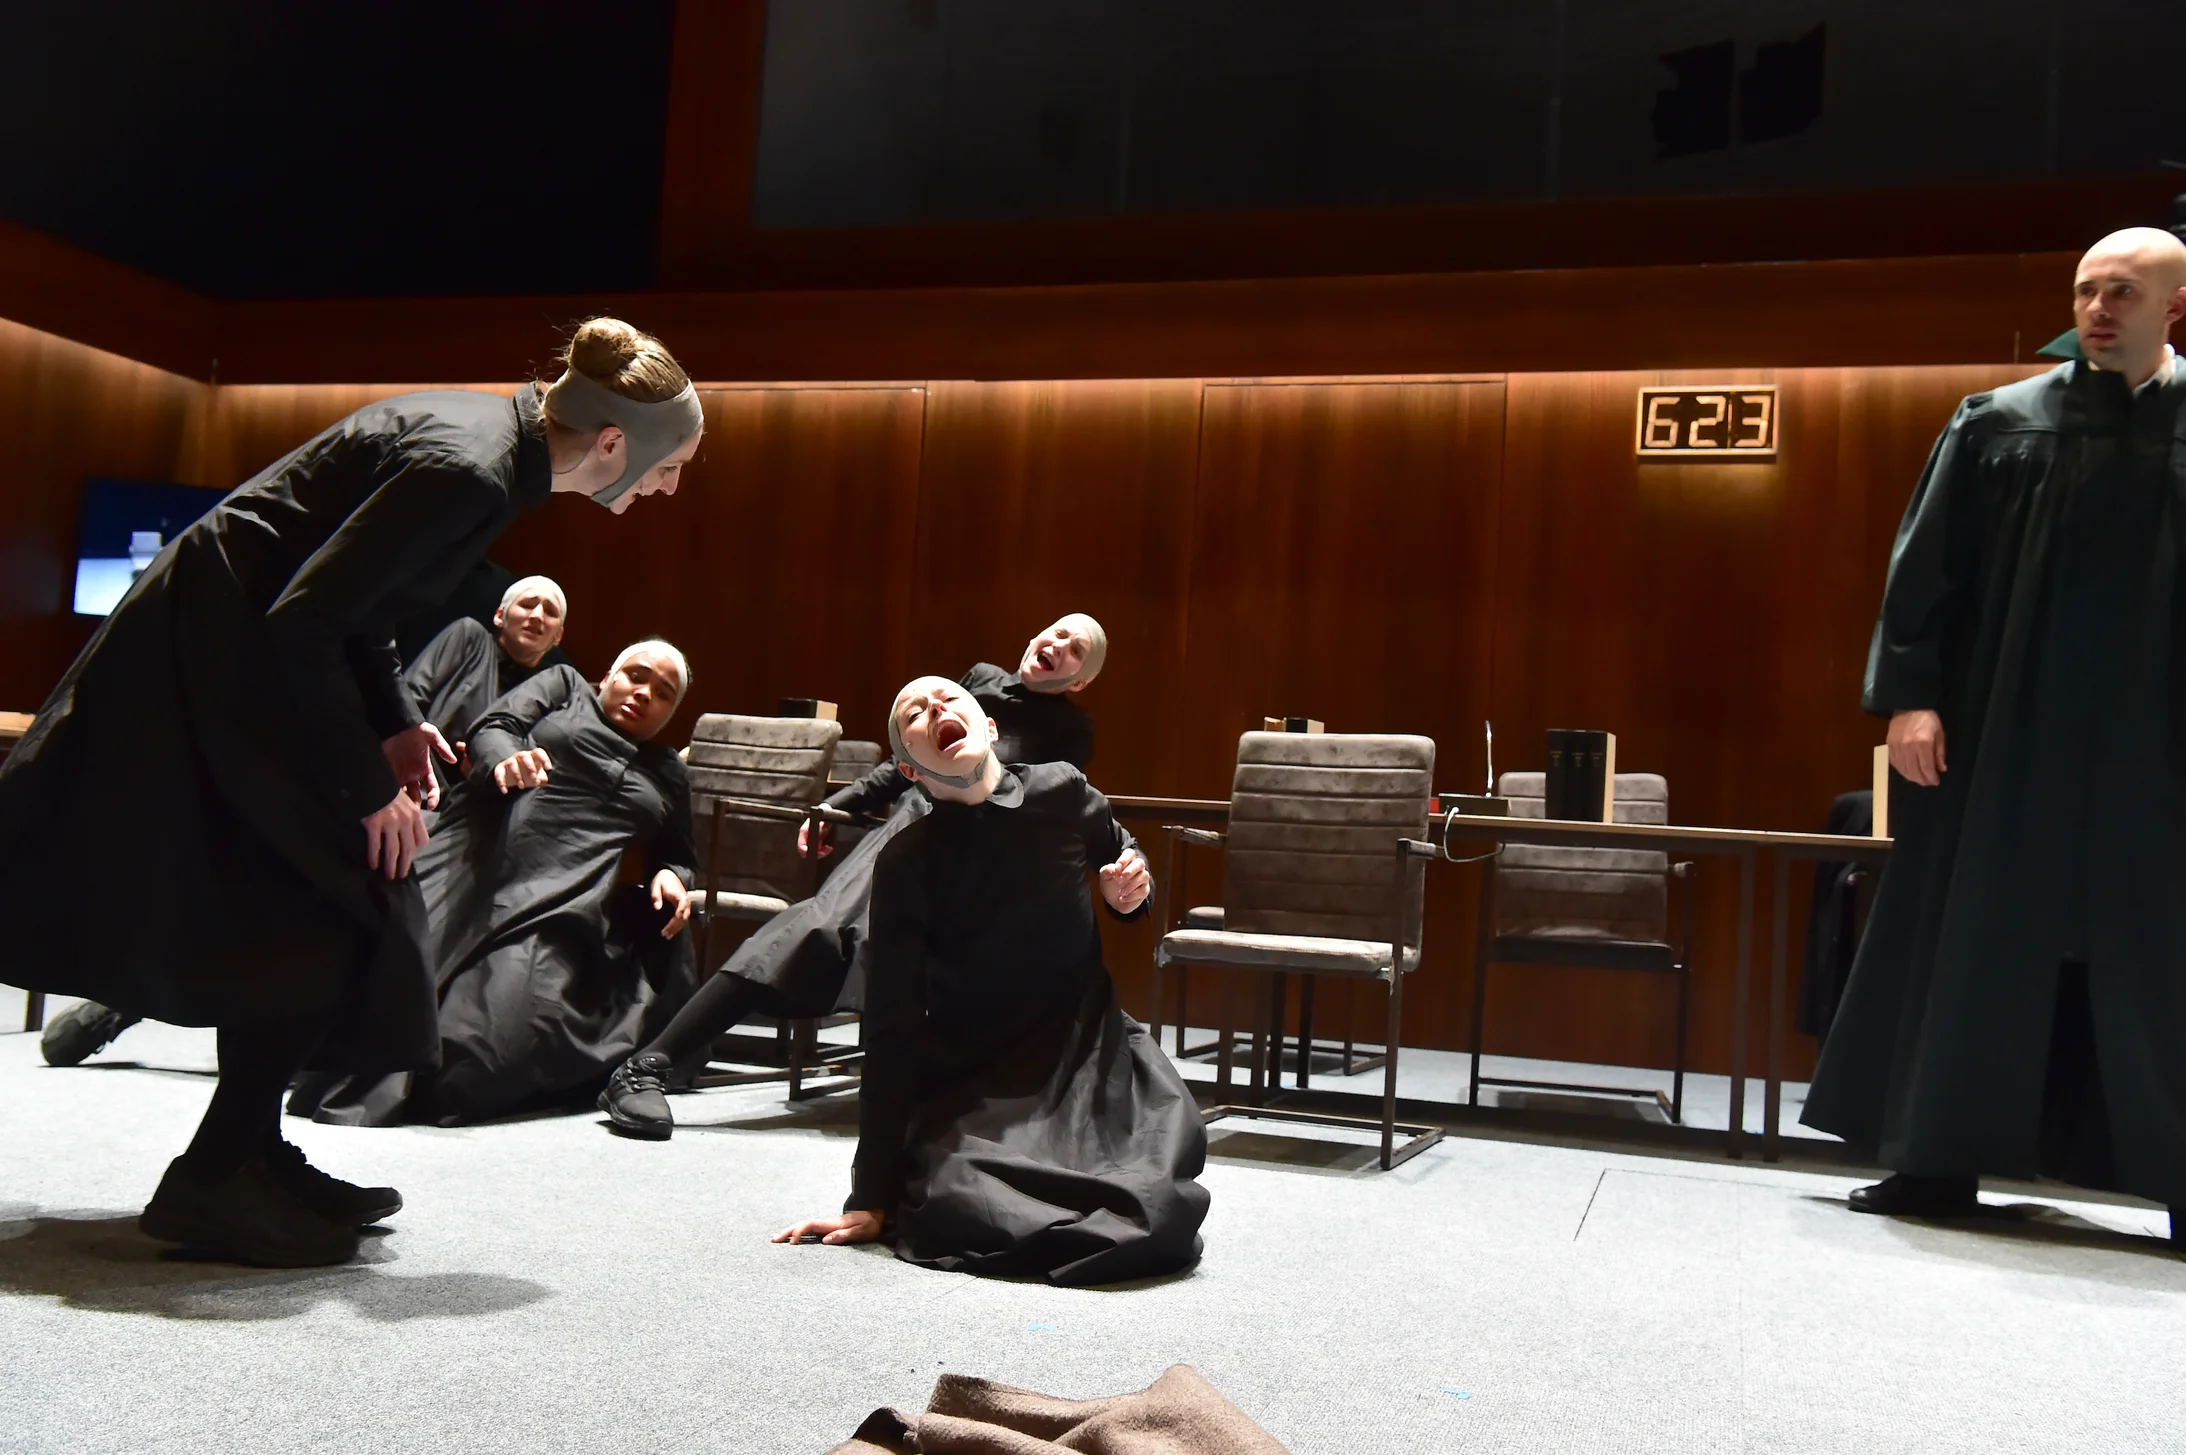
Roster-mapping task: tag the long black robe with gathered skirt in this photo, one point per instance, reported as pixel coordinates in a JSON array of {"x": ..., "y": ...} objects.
[
  {"x": 550, "y": 971},
  {"x": 2037, "y": 602},
  {"x": 810, "y": 955},
  {"x": 461, "y": 672},
  {"x": 207, "y": 761},
  {"x": 1012, "y": 1119}
]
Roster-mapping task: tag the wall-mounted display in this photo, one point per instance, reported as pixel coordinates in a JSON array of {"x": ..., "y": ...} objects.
[
  {"x": 125, "y": 523},
  {"x": 1708, "y": 421}
]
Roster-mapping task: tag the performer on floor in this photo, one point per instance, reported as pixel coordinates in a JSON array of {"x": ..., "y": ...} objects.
[
  {"x": 1013, "y": 1120},
  {"x": 467, "y": 667},
  {"x": 240, "y": 719},
  {"x": 2018, "y": 1005},
  {"x": 805, "y": 961},
  {"x": 550, "y": 971}
]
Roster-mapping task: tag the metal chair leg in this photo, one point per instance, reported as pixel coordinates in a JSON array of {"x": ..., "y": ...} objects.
[
  {"x": 1225, "y": 1044},
  {"x": 34, "y": 1010},
  {"x": 1305, "y": 1031},
  {"x": 1389, "y": 1068},
  {"x": 1481, "y": 962},
  {"x": 1684, "y": 1009}
]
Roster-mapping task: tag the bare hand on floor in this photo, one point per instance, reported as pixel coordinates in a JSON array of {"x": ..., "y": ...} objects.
[{"x": 849, "y": 1227}]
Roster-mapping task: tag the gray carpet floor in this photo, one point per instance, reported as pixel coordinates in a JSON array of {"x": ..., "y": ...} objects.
[{"x": 553, "y": 1288}]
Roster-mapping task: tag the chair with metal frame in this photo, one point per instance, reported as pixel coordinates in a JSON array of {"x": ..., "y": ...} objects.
[
  {"x": 753, "y": 781},
  {"x": 1210, "y": 917},
  {"x": 1599, "y": 908},
  {"x": 1320, "y": 879}
]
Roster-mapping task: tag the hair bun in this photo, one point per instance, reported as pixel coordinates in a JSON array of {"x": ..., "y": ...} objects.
[{"x": 603, "y": 347}]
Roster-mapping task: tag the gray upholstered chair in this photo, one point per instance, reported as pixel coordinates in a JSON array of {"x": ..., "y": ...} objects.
[
  {"x": 854, "y": 757},
  {"x": 1350, "y": 1059},
  {"x": 753, "y": 780},
  {"x": 1321, "y": 877},
  {"x": 1608, "y": 909}
]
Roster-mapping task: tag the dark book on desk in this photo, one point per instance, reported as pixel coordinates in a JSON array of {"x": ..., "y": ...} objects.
[{"x": 1582, "y": 773}]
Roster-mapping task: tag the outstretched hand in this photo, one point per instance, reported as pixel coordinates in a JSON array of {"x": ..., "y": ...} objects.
[
  {"x": 668, "y": 891},
  {"x": 410, "y": 755},
  {"x": 850, "y": 1227},
  {"x": 1126, "y": 883},
  {"x": 526, "y": 768}
]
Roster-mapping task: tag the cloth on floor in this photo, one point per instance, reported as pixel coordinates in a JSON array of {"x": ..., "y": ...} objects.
[{"x": 1178, "y": 1414}]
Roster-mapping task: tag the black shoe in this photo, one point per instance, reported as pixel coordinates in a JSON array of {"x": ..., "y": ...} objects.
[
  {"x": 1904, "y": 1195},
  {"x": 328, "y": 1196},
  {"x": 81, "y": 1032},
  {"x": 636, "y": 1099},
  {"x": 246, "y": 1217}
]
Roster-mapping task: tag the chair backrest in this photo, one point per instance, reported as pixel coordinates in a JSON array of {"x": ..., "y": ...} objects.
[
  {"x": 1552, "y": 892},
  {"x": 1314, "y": 824},
  {"x": 781, "y": 760},
  {"x": 854, "y": 757}
]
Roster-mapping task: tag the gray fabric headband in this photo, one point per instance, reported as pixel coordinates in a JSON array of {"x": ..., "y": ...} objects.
[
  {"x": 650, "y": 432},
  {"x": 903, "y": 755}
]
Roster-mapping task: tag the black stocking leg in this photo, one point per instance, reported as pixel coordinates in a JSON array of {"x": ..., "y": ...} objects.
[
  {"x": 715, "y": 1009},
  {"x": 256, "y": 1065}
]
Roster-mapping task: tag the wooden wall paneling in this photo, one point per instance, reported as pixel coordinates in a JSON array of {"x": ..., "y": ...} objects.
[
  {"x": 1040, "y": 498},
  {"x": 1344, "y": 559},
  {"x": 780, "y": 567},
  {"x": 1969, "y": 310},
  {"x": 47, "y": 284},
  {"x": 246, "y": 427},
  {"x": 711, "y": 147},
  {"x": 69, "y": 412},
  {"x": 1715, "y": 616}
]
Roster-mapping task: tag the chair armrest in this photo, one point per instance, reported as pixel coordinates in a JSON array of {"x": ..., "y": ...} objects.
[
  {"x": 1214, "y": 837},
  {"x": 1417, "y": 849},
  {"x": 759, "y": 808},
  {"x": 1682, "y": 869}
]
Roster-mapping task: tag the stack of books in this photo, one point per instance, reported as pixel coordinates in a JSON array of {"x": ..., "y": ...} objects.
[{"x": 1582, "y": 775}]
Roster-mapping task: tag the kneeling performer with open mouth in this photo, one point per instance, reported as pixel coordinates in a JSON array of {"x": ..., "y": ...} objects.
[{"x": 1013, "y": 1119}]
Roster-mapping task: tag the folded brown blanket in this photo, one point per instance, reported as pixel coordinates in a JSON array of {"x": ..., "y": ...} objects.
[{"x": 1178, "y": 1414}]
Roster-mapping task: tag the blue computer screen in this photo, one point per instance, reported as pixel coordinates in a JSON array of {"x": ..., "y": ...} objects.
[{"x": 123, "y": 526}]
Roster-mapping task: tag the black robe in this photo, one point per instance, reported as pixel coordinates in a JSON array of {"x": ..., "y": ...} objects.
[
  {"x": 807, "y": 955},
  {"x": 206, "y": 762},
  {"x": 550, "y": 972},
  {"x": 2036, "y": 602},
  {"x": 462, "y": 672},
  {"x": 1012, "y": 1119}
]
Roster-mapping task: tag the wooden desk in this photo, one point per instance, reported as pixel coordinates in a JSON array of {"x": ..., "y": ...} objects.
[
  {"x": 12, "y": 727},
  {"x": 1744, "y": 845}
]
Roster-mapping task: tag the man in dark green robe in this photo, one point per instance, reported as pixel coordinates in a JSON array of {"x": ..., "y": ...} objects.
[{"x": 2018, "y": 1006}]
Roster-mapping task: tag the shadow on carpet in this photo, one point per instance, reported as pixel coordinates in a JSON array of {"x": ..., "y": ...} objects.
[{"x": 99, "y": 1261}]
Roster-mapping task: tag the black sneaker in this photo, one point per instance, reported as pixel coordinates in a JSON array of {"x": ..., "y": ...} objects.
[
  {"x": 328, "y": 1196},
  {"x": 1904, "y": 1195},
  {"x": 81, "y": 1032},
  {"x": 636, "y": 1099},
  {"x": 246, "y": 1217}
]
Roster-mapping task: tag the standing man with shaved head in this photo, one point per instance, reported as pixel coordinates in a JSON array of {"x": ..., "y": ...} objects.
[{"x": 2018, "y": 1007}]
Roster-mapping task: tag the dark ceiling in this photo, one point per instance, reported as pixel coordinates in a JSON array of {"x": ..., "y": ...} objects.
[{"x": 277, "y": 148}]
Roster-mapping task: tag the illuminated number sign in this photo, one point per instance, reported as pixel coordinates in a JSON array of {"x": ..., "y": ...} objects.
[{"x": 1708, "y": 422}]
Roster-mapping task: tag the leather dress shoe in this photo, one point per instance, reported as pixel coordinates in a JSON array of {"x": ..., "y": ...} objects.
[{"x": 1903, "y": 1194}]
